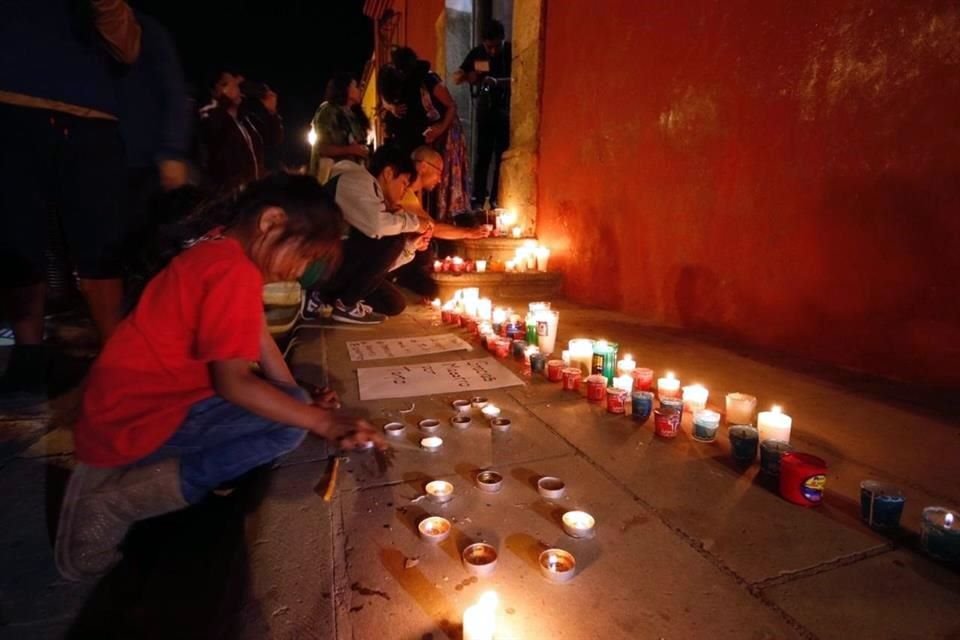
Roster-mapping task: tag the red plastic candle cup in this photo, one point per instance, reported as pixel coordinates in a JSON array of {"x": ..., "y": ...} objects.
[
  {"x": 596, "y": 388},
  {"x": 501, "y": 348},
  {"x": 555, "y": 370},
  {"x": 616, "y": 400},
  {"x": 571, "y": 379},
  {"x": 666, "y": 422},
  {"x": 471, "y": 325},
  {"x": 446, "y": 316},
  {"x": 642, "y": 379},
  {"x": 802, "y": 478}
]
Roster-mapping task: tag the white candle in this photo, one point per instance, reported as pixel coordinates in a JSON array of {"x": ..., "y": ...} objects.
[
  {"x": 668, "y": 387},
  {"x": 312, "y": 137},
  {"x": 740, "y": 408},
  {"x": 565, "y": 356},
  {"x": 547, "y": 323},
  {"x": 491, "y": 411},
  {"x": 626, "y": 366},
  {"x": 581, "y": 354},
  {"x": 511, "y": 266},
  {"x": 484, "y": 309},
  {"x": 543, "y": 258},
  {"x": 624, "y": 383},
  {"x": 437, "y": 266},
  {"x": 517, "y": 232},
  {"x": 432, "y": 443},
  {"x": 481, "y": 266},
  {"x": 480, "y": 620},
  {"x": 774, "y": 425},
  {"x": 695, "y": 397},
  {"x": 499, "y": 315},
  {"x": 436, "y": 304}
]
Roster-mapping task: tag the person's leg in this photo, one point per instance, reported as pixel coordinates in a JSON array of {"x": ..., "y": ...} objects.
[
  {"x": 416, "y": 276},
  {"x": 387, "y": 299},
  {"x": 485, "y": 142},
  {"x": 501, "y": 144},
  {"x": 364, "y": 266},
  {"x": 94, "y": 183},
  {"x": 217, "y": 442}
]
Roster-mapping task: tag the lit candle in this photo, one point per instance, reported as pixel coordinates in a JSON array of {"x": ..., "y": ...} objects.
[
  {"x": 439, "y": 491},
  {"x": 532, "y": 259},
  {"x": 481, "y": 266},
  {"x": 457, "y": 264},
  {"x": 484, "y": 309},
  {"x": 626, "y": 366},
  {"x": 695, "y": 397},
  {"x": 510, "y": 266},
  {"x": 565, "y": 356},
  {"x": 547, "y": 324},
  {"x": 740, "y": 408},
  {"x": 578, "y": 524},
  {"x": 491, "y": 411},
  {"x": 437, "y": 266},
  {"x": 940, "y": 533},
  {"x": 605, "y": 358},
  {"x": 517, "y": 232},
  {"x": 436, "y": 304},
  {"x": 499, "y": 317},
  {"x": 312, "y": 137},
  {"x": 624, "y": 383},
  {"x": 543, "y": 258},
  {"x": 431, "y": 443},
  {"x": 581, "y": 354},
  {"x": 668, "y": 387},
  {"x": 480, "y": 620},
  {"x": 774, "y": 425}
]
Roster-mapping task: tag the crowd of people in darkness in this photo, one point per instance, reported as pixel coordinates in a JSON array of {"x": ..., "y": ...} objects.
[{"x": 174, "y": 217}]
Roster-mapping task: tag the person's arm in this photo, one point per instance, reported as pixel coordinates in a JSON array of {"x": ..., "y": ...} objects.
[
  {"x": 440, "y": 230},
  {"x": 175, "y": 118},
  {"x": 434, "y": 131},
  {"x": 358, "y": 196},
  {"x": 272, "y": 364},
  {"x": 466, "y": 72},
  {"x": 119, "y": 29}
]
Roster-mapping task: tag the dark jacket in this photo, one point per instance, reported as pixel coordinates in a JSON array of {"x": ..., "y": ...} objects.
[
  {"x": 56, "y": 52},
  {"x": 232, "y": 151},
  {"x": 269, "y": 126},
  {"x": 154, "y": 109}
]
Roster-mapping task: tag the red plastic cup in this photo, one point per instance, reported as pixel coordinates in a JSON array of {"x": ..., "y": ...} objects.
[
  {"x": 802, "y": 478},
  {"x": 571, "y": 379},
  {"x": 555, "y": 370},
  {"x": 642, "y": 379},
  {"x": 666, "y": 422},
  {"x": 616, "y": 400}
]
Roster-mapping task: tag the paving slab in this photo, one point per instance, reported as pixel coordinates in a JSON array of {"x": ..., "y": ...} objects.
[
  {"x": 636, "y": 579},
  {"x": 898, "y": 595},
  {"x": 694, "y": 487},
  {"x": 289, "y": 593}
]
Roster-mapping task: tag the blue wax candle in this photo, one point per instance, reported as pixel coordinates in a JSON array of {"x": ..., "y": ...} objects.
[
  {"x": 770, "y": 452},
  {"x": 940, "y": 533},
  {"x": 519, "y": 348},
  {"x": 641, "y": 404},
  {"x": 743, "y": 443},
  {"x": 881, "y": 504},
  {"x": 673, "y": 403},
  {"x": 705, "y": 425},
  {"x": 538, "y": 362}
]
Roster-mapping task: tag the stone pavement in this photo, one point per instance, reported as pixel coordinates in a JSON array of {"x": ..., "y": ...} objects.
[{"x": 687, "y": 545}]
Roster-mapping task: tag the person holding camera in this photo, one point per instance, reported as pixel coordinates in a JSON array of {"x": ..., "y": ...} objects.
[{"x": 487, "y": 70}]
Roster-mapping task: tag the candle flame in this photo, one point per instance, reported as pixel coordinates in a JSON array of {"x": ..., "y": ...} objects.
[
  {"x": 670, "y": 375},
  {"x": 628, "y": 357},
  {"x": 489, "y": 600},
  {"x": 776, "y": 409},
  {"x": 948, "y": 520},
  {"x": 312, "y": 137}
]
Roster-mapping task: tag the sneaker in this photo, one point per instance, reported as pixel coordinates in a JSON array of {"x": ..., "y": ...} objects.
[
  {"x": 360, "y": 314},
  {"x": 313, "y": 308}
]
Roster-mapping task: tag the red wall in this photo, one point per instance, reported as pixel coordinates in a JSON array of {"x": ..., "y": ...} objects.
[
  {"x": 784, "y": 174},
  {"x": 420, "y": 23}
]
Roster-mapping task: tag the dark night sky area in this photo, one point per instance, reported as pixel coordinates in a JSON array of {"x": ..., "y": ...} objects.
[{"x": 292, "y": 45}]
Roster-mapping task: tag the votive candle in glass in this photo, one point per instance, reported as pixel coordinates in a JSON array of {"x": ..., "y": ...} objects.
[
  {"x": 572, "y": 376},
  {"x": 517, "y": 232},
  {"x": 596, "y": 388},
  {"x": 695, "y": 397},
  {"x": 666, "y": 422},
  {"x": 531, "y": 327},
  {"x": 705, "y": 425},
  {"x": 548, "y": 322},
  {"x": 940, "y": 533},
  {"x": 668, "y": 386},
  {"x": 581, "y": 354},
  {"x": 740, "y": 408},
  {"x": 604, "y": 358},
  {"x": 617, "y": 400},
  {"x": 625, "y": 383},
  {"x": 881, "y": 504},
  {"x": 626, "y": 366},
  {"x": 641, "y": 405},
  {"x": 485, "y": 310},
  {"x": 481, "y": 266},
  {"x": 642, "y": 379},
  {"x": 774, "y": 425},
  {"x": 770, "y": 453},
  {"x": 543, "y": 258}
]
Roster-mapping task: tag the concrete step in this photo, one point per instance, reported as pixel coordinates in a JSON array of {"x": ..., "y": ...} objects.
[
  {"x": 501, "y": 249},
  {"x": 530, "y": 285}
]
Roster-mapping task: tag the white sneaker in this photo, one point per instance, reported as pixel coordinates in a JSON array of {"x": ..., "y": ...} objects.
[{"x": 360, "y": 314}]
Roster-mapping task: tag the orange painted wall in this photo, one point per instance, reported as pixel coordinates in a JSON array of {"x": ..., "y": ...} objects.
[
  {"x": 420, "y": 23},
  {"x": 783, "y": 174}
]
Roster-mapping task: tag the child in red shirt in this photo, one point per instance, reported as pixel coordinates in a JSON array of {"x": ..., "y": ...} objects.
[{"x": 172, "y": 407}]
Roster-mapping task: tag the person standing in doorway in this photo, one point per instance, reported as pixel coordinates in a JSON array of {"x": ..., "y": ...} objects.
[
  {"x": 232, "y": 151},
  {"x": 487, "y": 70}
]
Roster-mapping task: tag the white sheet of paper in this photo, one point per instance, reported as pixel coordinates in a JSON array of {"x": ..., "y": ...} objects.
[
  {"x": 361, "y": 350},
  {"x": 404, "y": 381}
]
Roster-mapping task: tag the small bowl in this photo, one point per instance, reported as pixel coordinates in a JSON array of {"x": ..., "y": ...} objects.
[
  {"x": 579, "y": 524},
  {"x": 480, "y": 559},
  {"x": 431, "y": 444},
  {"x": 478, "y": 402},
  {"x": 430, "y": 425},
  {"x": 551, "y": 488},
  {"x": 439, "y": 491},
  {"x": 557, "y": 565},
  {"x": 394, "y": 429},
  {"x": 489, "y": 481},
  {"x": 501, "y": 424},
  {"x": 434, "y": 529},
  {"x": 461, "y": 405},
  {"x": 460, "y": 422}
]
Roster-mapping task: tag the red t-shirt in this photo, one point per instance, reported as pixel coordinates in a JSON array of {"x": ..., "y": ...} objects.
[{"x": 205, "y": 305}]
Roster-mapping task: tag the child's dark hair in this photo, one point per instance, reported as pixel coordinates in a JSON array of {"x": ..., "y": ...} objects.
[{"x": 314, "y": 220}]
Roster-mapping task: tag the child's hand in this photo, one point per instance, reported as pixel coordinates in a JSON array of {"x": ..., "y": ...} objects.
[
  {"x": 363, "y": 432},
  {"x": 325, "y": 398}
]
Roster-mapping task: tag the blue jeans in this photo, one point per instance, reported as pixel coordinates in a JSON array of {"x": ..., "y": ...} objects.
[{"x": 219, "y": 441}]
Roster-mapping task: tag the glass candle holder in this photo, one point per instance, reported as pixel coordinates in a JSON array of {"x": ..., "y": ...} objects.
[
  {"x": 581, "y": 354},
  {"x": 881, "y": 504},
  {"x": 642, "y": 379},
  {"x": 605, "y": 359},
  {"x": 940, "y": 533},
  {"x": 770, "y": 453},
  {"x": 705, "y": 425},
  {"x": 743, "y": 443},
  {"x": 740, "y": 408},
  {"x": 666, "y": 422},
  {"x": 641, "y": 405}
]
